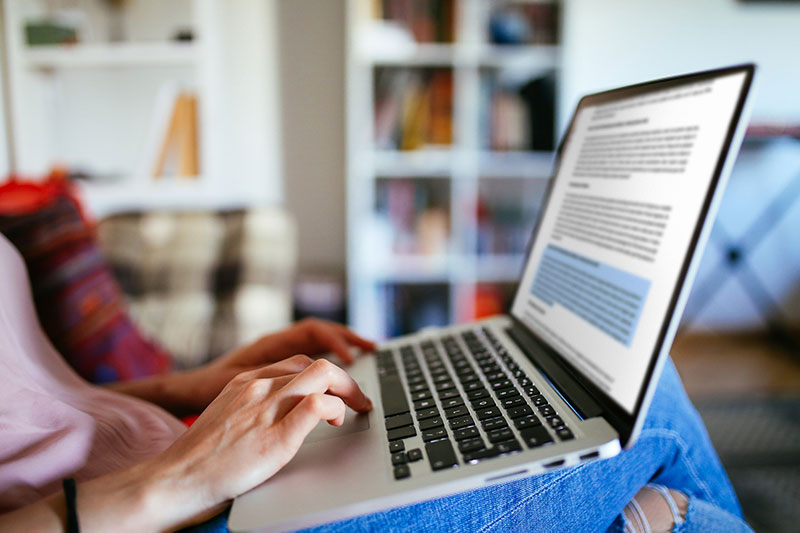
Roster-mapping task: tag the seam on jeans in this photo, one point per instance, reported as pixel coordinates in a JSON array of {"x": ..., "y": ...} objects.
[
  {"x": 527, "y": 498},
  {"x": 709, "y": 495}
]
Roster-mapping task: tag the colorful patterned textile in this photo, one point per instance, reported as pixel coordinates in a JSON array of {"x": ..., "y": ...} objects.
[
  {"x": 78, "y": 301},
  {"x": 203, "y": 282}
]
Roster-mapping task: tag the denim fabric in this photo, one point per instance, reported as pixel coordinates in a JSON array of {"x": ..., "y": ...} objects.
[{"x": 673, "y": 450}]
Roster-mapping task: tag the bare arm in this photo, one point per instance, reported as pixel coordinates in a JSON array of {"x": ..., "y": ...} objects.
[
  {"x": 245, "y": 436},
  {"x": 190, "y": 392}
]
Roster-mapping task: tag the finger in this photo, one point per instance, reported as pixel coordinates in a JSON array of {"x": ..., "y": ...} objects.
[
  {"x": 356, "y": 340},
  {"x": 305, "y": 416},
  {"x": 331, "y": 340},
  {"x": 323, "y": 377},
  {"x": 292, "y": 365}
]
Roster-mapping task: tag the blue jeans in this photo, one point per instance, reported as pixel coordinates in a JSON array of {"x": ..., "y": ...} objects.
[{"x": 673, "y": 450}]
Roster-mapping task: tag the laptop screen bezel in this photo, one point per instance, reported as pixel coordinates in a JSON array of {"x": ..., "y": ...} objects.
[{"x": 622, "y": 420}]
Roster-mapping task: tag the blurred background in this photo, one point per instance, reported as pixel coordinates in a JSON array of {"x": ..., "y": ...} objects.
[{"x": 382, "y": 162}]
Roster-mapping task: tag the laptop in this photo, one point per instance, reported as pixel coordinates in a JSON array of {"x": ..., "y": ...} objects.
[{"x": 567, "y": 376}]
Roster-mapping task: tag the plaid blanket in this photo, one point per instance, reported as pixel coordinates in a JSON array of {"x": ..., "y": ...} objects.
[{"x": 203, "y": 282}]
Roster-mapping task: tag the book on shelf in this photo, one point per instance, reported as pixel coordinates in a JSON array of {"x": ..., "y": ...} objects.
[
  {"x": 417, "y": 210},
  {"x": 492, "y": 299},
  {"x": 413, "y": 108},
  {"x": 505, "y": 215},
  {"x": 428, "y": 21},
  {"x": 518, "y": 117},
  {"x": 411, "y": 307},
  {"x": 523, "y": 23}
]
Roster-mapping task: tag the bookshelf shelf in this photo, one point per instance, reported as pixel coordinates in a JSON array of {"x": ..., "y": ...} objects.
[
  {"x": 449, "y": 150},
  {"x": 515, "y": 164},
  {"x": 110, "y": 55},
  {"x": 430, "y": 162}
]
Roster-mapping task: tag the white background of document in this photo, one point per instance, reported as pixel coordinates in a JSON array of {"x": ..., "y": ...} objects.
[{"x": 586, "y": 347}]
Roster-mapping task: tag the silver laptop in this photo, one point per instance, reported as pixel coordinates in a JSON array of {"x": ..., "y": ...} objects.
[{"x": 567, "y": 376}]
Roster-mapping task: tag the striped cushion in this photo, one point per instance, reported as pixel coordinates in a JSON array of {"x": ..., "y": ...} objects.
[{"x": 78, "y": 301}]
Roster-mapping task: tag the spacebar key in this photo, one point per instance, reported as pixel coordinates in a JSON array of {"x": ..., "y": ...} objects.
[
  {"x": 441, "y": 454},
  {"x": 393, "y": 397}
]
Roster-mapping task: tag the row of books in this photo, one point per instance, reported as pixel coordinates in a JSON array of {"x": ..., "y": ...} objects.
[
  {"x": 413, "y": 108},
  {"x": 521, "y": 117},
  {"x": 504, "y": 228},
  {"x": 429, "y": 21},
  {"x": 418, "y": 212}
]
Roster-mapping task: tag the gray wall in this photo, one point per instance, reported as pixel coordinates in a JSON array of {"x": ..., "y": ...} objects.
[{"x": 312, "y": 70}]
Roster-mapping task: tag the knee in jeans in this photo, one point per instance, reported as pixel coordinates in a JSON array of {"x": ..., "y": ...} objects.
[{"x": 655, "y": 509}]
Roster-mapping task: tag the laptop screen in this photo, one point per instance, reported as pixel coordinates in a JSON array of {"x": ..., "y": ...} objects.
[{"x": 633, "y": 176}]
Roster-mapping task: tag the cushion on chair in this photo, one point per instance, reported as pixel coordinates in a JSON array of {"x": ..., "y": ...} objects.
[{"x": 80, "y": 305}]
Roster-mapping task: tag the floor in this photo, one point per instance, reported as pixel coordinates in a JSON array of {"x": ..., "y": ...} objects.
[{"x": 747, "y": 389}]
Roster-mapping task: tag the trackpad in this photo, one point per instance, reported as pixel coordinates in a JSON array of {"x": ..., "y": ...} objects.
[{"x": 353, "y": 423}]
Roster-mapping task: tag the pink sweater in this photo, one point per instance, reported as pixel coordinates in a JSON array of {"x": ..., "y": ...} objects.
[{"x": 53, "y": 424}]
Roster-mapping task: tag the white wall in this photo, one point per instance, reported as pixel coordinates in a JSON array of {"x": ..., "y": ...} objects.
[
  {"x": 616, "y": 42},
  {"x": 312, "y": 69}
]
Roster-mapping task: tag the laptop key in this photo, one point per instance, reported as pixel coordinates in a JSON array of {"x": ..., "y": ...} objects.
[
  {"x": 441, "y": 454},
  {"x": 520, "y": 411},
  {"x": 547, "y": 411},
  {"x": 513, "y": 401},
  {"x": 535, "y": 437},
  {"x": 462, "y": 421},
  {"x": 483, "y": 402},
  {"x": 417, "y": 387},
  {"x": 501, "y": 384},
  {"x": 421, "y": 395},
  {"x": 434, "y": 434},
  {"x": 430, "y": 423},
  {"x": 445, "y": 385},
  {"x": 414, "y": 380},
  {"x": 527, "y": 422},
  {"x": 539, "y": 401},
  {"x": 458, "y": 410},
  {"x": 499, "y": 435},
  {"x": 555, "y": 422},
  {"x": 423, "y": 404},
  {"x": 509, "y": 446},
  {"x": 393, "y": 397},
  {"x": 494, "y": 423},
  {"x": 466, "y": 433},
  {"x": 471, "y": 445},
  {"x": 477, "y": 393},
  {"x": 396, "y": 446},
  {"x": 480, "y": 455},
  {"x": 398, "y": 421},
  {"x": 507, "y": 393},
  {"x": 414, "y": 455},
  {"x": 399, "y": 458},
  {"x": 427, "y": 413},
  {"x": 564, "y": 434},
  {"x": 488, "y": 412},
  {"x": 468, "y": 378},
  {"x": 532, "y": 391},
  {"x": 401, "y": 433},
  {"x": 451, "y": 393},
  {"x": 402, "y": 472},
  {"x": 452, "y": 402},
  {"x": 474, "y": 385}
]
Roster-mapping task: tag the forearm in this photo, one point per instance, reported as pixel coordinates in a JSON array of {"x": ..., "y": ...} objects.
[{"x": 129, "y": 500}]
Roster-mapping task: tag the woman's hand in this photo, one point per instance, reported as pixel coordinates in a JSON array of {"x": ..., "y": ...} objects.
[
  {"x": 253, "y": 428},
  {"x": 189, "y": 392},
  {"x": 248, "y": 433},
  {"x": 311, "y": 336}
]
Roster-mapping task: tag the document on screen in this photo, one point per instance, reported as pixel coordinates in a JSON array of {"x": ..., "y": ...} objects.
[{"x": 632, "y": 180}]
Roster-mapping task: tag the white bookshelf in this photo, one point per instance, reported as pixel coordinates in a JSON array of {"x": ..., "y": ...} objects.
[
  {"x": 92, "y": 106},
  {"x": 464, "y": 164}
]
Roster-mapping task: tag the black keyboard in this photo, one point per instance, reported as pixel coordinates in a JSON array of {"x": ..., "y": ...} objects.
[{"x": 477, "y": 407}]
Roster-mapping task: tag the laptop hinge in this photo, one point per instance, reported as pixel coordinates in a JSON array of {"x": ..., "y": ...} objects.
[{"x": 567, "y": 386}]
